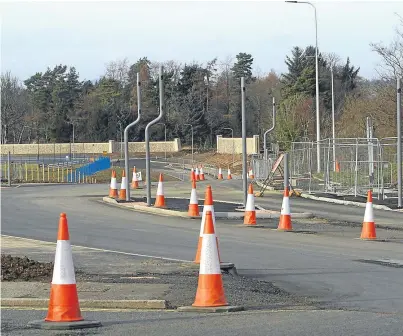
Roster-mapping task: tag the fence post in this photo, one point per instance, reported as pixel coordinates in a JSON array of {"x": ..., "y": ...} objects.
[
  {"x": 79, "y": 177},
  {"x": 26, "y": 172},
  {"x": 9, "y": 169},
  {"x": 37, "y": 172},
  {"x": 356, "y": 168},
  {"x": 43, "y": 172},
  {"x": 58, "y": 174}
]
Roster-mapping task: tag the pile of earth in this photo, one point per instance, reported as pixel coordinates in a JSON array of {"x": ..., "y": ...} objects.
[{"x": 24, "y": 269}]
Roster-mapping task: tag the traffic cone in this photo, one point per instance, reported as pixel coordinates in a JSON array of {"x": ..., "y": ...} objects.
[
  {"x": 194, "y": 203},
  {"x": 220, "y": 177},
  {"x": 285, "y": 215},
  {"x": 337, "y": 166},
  {"x": 197, "y": 174},
  {"x": 250, "y": 212},
  {"x": 251, "y": 175},
  {"x": 210, "y": 288},
  {"x": 135, "y": 182},
  {"x": 63, "y": 302},
  {"x": 64, "y": 308},
  {"x": 229, "y": 174},
  {"x": 160, "y": 199},
  {"x": 201, "y": 173},
  {"x": 368, "y": 226},
  {"x": 123, "y": 187},
  {"x": 208, "y": 206},
  {"x": 192, "y": 176},
  {"x": 113, "y": 190}
]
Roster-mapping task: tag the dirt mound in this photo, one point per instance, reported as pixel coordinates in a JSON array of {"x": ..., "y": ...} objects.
[{"x": 24, "y": 269}]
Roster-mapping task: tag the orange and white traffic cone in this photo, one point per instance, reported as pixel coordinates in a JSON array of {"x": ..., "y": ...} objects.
[
  {"x": 368, "y": 226},
  {"x": 64, "y": 308},
  {"x": 192, "y": 174},
  {"x": 160, "y": 199},
  {"x": 194, "y": 202},
  {"x": 210, "y": 289},
  {"x": 208, "y": 206},
  {"x": 63, "y": 303},
  {"x": 285, "y": 215},
  {"x": 250, "y": 212},
  {"x": 220, "y": 177},
  {"x": 113, "y": 189},
  {"x": 337, "y": 167},
  {"x": 201, "y": 174},
  {"x": 135, "y": 181},
  {"x": 229, "y": 177},
  {"x": 123, "y": 186},
  {"x": 197, "y": 174},
  {"x": 251, "y": 175}
]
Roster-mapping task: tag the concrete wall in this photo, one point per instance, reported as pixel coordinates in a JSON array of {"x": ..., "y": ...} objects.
[
  {"x": 87, "y": 148},
  {"x": 226, "y": 145}
]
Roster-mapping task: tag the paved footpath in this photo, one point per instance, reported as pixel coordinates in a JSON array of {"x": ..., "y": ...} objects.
[{"x": 356, "y": 283}]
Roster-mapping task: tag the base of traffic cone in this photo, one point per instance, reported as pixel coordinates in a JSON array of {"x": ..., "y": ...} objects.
[
  {"x": 122, "y": 195},
  {"x": 113, "y": 193},
  {"x": 250, "y": 218},
  {"x": 368, "y": 231},
  {"x": 160, "y": 202},
  {"x": 193, "y": 210},
  {"x": 135, "y": 185},
  {"x": 220, "y": 309},
  {"x": 42, "y": 324},
  {"x": 210, "y": 291},
  {"x": 285, "y": 223}
]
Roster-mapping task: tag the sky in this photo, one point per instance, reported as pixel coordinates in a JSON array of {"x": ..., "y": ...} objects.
[{"x": 89, "y": 34}]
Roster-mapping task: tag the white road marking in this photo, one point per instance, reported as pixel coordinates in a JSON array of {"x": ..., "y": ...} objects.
[{"x": 105, "y": 250}]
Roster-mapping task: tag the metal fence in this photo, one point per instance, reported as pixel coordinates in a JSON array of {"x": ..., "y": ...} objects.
[{"x": 348, "y": 166}]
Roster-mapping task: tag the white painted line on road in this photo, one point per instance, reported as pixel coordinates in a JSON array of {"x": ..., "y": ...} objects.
[{"x": 104, "y": 250}]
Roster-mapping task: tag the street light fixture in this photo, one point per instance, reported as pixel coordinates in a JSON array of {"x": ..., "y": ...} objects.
[
  {"x": 317, "y": 82},
  {"x": 192, "y": 138},
  {"x": 233, "y": 149}
]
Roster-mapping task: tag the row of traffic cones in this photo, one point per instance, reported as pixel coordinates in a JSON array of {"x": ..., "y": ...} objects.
[
  {"x": 113, "y": 189},
  {"x": 285, "y": 223},
  {"x": 198, "y": 175}
]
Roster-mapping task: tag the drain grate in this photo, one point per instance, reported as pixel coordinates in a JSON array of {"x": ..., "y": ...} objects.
[{"x": 383, "y": 262}]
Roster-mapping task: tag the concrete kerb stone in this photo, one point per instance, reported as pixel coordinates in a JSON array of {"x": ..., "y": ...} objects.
[
  {"x": 218, "y": 215},
  {"x": 92, "y": 304}
]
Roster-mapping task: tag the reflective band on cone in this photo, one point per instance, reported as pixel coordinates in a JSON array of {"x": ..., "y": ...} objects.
[
  {"x": 368, "y": 226},
  {"x": 135, "y": 182},
  {"x": 285, "y": 215},
  {"x": 113, "y": 190},
  {"x": 160, "y": 199},
  {"x": 194, "y": 203},
  {"x": 123, "y": 186},
  {"x": 208, "y": 206},
  {"x": 220, "y": 177},
  {"x": 63, "y": 302},
  {"x": 210, "y": 288},
  {"x": 250, "y": 212},
  {"x": 251, "y": 176},
  {"x": 197, "y": 174}
]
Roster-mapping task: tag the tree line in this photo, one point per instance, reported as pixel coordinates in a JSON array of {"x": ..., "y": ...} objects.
[{"x": 45, "y": 107}]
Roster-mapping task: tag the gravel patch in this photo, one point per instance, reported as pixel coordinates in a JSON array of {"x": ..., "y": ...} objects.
[{"x": 24, "y": 269}]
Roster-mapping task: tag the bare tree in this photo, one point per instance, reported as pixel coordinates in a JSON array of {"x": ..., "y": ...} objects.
[
  {"x": 118, "y": 70},
  {"x": 14, "y": 106},
  {"x": 392, "y": 55}
]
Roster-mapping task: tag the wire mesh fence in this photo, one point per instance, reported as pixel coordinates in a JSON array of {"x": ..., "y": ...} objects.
[{"x": 349, "y": 166}]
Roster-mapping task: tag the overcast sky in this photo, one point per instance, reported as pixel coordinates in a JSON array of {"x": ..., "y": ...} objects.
[{"x": 87, "y": 35}]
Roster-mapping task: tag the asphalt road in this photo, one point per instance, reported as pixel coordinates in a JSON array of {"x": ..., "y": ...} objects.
[
  {"x": 262, "y": 323},
  {"x": 338, "y": 272}
]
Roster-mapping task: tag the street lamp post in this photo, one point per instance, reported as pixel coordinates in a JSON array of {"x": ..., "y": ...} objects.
[
  {"x": 317, "y": 83},
  {"x": 333, "y": 122},
  {"x": 165, "y": 145},
  {"x": 192, "y": 138},
  {"x": 233, "y": 149}
]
